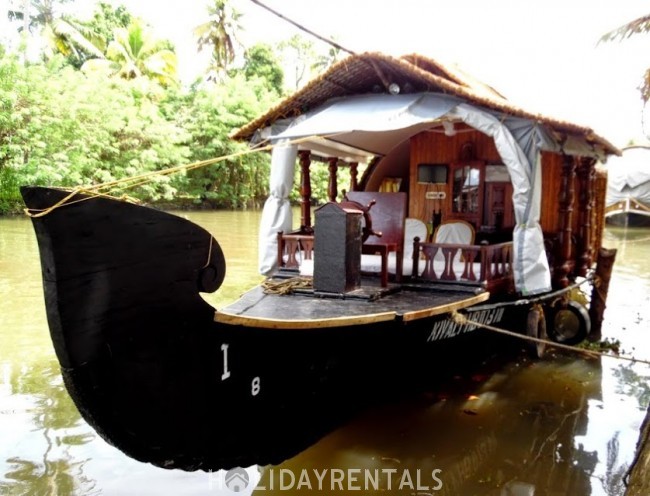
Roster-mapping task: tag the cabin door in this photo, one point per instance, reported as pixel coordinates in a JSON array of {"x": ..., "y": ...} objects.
[
  {"x": 498, "y": 211},
  {"x": 467, "y": 179}
]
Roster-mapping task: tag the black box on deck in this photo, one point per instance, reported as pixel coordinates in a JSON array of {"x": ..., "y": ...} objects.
[{"x": 337, "y": 249}]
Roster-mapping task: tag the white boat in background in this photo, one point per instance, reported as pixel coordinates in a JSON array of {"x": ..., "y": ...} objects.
[{"x": 628, "y": 188}]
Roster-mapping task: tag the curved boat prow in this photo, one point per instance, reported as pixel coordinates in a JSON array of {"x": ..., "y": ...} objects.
[
  {"x": 142, "y": 356},
  {"x": 109, "y": 264},
  {"x": 130, "y": 330}
]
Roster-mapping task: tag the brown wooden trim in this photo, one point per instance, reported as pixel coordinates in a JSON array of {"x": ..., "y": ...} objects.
[
  {"x": 266, "y": 323},
  {"x": 586, "y": 177},
  {"x": 332, "y": 186},
  {"x": 354, "y": 173},
  {"x": 450, "y": 307},
  {"x": 605, "y": 264},
  {"x": 305, "y": 191},
  {"x": 567, "y": 194}
]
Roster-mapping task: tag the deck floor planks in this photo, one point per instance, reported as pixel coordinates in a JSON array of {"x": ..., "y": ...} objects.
[{"x": 255, "y": 308}]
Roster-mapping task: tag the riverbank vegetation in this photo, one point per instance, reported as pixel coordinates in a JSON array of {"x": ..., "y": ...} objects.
[{"x": 102, "y": 101}]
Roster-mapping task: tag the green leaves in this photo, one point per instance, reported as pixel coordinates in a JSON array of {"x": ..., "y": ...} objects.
[
  {"x": 632, "y": 28},
  {"x": 135, "y": 52},
  {"x": 59, "y": 127},
  {"x": 62, "y": 127}
]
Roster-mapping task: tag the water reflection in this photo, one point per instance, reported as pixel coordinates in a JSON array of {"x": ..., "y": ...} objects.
[
  {"x": 557, "y": 426},
  {"x": 44, "y": 424},
  {"x": 509, "y": 430}
]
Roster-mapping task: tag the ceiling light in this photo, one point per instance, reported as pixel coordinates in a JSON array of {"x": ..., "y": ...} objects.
[{"x": 450, "y": 130}]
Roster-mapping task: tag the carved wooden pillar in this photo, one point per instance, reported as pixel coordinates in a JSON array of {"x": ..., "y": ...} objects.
[
  {"x": 305, "y": 191},
  {"x": 586, "y": 177},
  {"x": 332, "y": 186},
  {"x": 354, "y": 172},
  {"x": 567, "y": 194}
]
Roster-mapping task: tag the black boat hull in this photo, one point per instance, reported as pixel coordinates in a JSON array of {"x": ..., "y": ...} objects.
[
  {"x": 629, "y": 219},
  {"x": 153, "y": 373}
]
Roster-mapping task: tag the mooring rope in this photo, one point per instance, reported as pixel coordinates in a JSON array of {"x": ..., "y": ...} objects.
[
  {"x": 462, "y": 319},
  {"x": 287, "y": 286},
  {"x": 95, "y": 191},
  {"x": 67, "y": 200}
]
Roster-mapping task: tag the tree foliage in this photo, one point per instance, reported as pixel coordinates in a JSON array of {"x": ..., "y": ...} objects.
[
  {"x": 261, "y": 62},
  {"x": 633, "y": 28},
  {"x": 300, "y": 54},
  {"x": 56, "y": 128},
  {"x": 105, "y": 20},
  {"x": 135, "y": 52},
  {"x": 61, "y": 126},
  {"x": 61, "y": 33},
  {"x": 219, "y": 33},
  {"x": 209, "y": 114}
]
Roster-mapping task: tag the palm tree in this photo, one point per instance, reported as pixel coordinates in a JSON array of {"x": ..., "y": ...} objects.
[
  {"x": 134, "y": 53},
  {"x": 632, "y": 28},
  {"x": 61, "y": 33},
  {"x": 220, "y": 33}
]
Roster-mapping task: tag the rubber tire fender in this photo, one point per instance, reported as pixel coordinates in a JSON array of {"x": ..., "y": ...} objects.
[
  {"x": 536, "y": 328},
  {"x": 579, "y": 312}
]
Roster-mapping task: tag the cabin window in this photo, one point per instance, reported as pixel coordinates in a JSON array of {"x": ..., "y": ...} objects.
[{"x": 432, "y": 173}]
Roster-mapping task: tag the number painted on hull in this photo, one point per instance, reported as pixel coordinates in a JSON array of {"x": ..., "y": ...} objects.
[
  {"x": 226, "y": 372},
  {"x": 255, "y": 386}
]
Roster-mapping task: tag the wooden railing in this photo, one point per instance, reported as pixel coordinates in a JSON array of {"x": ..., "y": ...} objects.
[{"x": 485, "y": 265}]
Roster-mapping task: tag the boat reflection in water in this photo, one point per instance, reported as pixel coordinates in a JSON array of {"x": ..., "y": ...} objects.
[{"x": 515, "y": 429}]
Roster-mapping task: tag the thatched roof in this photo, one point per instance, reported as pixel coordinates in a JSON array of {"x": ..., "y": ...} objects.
[{"x": 374, "y": 72}]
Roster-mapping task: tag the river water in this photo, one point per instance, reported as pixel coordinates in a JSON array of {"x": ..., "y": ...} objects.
[{"x": 563, "y": 425}]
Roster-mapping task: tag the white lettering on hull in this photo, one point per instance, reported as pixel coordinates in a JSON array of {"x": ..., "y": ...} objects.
[{"x": 448, "y": 328}]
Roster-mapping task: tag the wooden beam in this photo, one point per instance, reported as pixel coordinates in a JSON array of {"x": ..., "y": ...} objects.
[
  {"x": 586, "y": 177},
  {"x": 354, "y": 172},
  {"x": 567, "y": 194},
  {"x": 600, "y": 290},
  {"x": 332, "y": 186},
  {"x": 305, "y": 191}
]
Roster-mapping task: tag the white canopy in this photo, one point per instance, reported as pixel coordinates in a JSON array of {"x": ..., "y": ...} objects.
[{"x": 363, "y": 126}]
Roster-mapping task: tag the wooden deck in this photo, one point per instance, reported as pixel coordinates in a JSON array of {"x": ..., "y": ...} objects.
[{"x": 305, "y": 311}]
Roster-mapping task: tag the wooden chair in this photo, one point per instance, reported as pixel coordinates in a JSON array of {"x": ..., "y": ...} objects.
[
  {"x": 413, "y": 228},
  {"x": 457, "y": 232},
  {"x": 294, "y": 249},
  {"x": 388, "y": 214}
]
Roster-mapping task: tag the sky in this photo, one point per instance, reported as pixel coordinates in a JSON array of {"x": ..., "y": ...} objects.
[{"x": 543, "y": 56}]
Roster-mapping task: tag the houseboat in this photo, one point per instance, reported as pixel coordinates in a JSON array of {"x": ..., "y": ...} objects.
[
  {"x": 470, "y": 212},
  {"x": 628, "y": 188}
]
